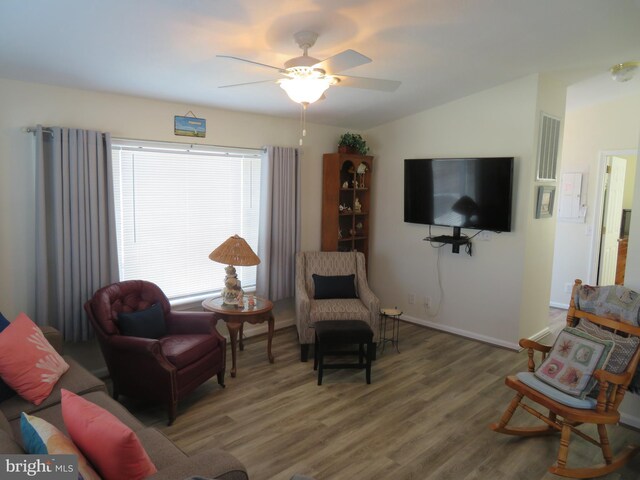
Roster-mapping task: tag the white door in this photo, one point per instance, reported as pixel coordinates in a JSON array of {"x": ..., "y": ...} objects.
[{"x": 612, "y": 216}]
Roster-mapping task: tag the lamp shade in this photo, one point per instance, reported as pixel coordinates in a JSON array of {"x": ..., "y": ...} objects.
[{"x": 235, "y": 251}]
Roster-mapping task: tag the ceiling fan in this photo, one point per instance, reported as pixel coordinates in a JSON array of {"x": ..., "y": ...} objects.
[{"x": 307, "y": 78}]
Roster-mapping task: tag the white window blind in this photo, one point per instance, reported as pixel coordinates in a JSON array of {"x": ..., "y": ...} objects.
[{"x": 175, "y": 204}]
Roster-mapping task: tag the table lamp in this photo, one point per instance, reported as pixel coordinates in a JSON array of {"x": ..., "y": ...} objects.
[{"x": 233, "y": 251}]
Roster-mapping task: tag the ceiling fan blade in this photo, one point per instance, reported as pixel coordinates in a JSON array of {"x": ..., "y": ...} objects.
[
  {"x": 251, "y": 61},
  {"x": 342, "y": 61},
  {"x": 247, "y": 83},
  {"x": 368, "y": 83}
]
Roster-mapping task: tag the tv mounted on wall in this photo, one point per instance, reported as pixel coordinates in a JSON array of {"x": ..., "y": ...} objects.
[{"x": 459, "y": 192}]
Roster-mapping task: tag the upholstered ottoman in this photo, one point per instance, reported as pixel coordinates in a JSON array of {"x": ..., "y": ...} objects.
[{"x": 332, "y": 334}]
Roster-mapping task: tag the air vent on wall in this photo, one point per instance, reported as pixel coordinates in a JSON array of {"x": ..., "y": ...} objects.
[{"x": 548, "y": 147}]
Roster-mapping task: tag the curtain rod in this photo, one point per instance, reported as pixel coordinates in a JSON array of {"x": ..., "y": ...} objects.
[
  {"x": 44, "y": 129},
  {"x": 152, "y": 143},
  {"x": 33, "y": 130},
  {"x": 115, "y": 140}
]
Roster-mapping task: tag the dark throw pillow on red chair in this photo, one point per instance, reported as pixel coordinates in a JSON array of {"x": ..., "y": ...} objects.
[{"x": 147, "y": 323}]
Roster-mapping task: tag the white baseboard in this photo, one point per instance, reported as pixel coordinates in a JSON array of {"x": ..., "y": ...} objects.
[
  {"x": 461, "y": 332},
  {"x": 630, "y": 420},
  {"x": 564, "y": 306},
  {"x": 259, "y": 328},
  {"x": 542, "y": 333}
]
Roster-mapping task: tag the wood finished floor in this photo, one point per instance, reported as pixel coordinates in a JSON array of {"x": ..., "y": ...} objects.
[{"x": 425, "y": 415}]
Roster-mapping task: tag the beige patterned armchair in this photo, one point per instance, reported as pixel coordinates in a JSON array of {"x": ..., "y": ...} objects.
[{"x": 309, "y": 311}]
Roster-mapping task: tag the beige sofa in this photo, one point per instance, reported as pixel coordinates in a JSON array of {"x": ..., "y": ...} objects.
[{"x": 171, "y": 462}]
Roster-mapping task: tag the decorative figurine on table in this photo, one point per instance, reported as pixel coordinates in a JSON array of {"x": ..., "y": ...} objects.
[
  {"x": 362, "y": 168},
  {"x": 252, "y": 301},
  {"x": 240, "y": 298},
  {"x": 357, "y": 206}
]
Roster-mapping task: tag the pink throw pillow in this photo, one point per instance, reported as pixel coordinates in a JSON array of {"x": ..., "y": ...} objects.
[
  {"x": 28, "y": 362},
  {"x": 112, "y": 447}
]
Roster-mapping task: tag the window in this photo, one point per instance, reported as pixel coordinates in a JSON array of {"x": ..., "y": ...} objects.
[{"x": 175, "y": 203}]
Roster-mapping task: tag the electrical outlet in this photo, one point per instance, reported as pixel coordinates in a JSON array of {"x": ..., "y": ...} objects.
[
  {"x": 485, "y": 236},
  {"x": 411, "y": 299},
  {"x": 427, "y": 302},
  {"x": 568, "y": 287}
]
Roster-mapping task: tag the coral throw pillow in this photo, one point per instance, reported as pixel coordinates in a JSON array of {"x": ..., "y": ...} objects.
[
  {"x": 41, "y": 438},
  {"x": 28, "y": 362},
  {"x": 112, "y": 447}
]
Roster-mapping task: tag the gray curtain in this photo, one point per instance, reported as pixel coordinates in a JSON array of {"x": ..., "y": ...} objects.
[
  {"x": 279, "y": 237},
  {"x": 75, "y": 226}
]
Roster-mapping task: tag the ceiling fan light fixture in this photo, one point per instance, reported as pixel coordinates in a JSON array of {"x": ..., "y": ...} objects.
[
  {"x": 623, "y": 72},
  {"x": 304, "y": 90}
]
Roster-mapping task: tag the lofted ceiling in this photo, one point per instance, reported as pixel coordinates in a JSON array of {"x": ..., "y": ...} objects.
[{"x": 439, "y": 49}]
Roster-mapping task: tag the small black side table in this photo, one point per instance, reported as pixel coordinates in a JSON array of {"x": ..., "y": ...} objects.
[{"x": 394, "y": 315}]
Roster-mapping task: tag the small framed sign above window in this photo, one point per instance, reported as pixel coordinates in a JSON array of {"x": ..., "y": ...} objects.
[{"x": 190, "y": 126}]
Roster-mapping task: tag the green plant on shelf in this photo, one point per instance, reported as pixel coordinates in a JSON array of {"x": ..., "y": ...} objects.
[{"x": 353, "y": 142}]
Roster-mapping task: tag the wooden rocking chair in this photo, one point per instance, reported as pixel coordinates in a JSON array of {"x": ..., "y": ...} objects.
[{"x": 565, "y": 419}]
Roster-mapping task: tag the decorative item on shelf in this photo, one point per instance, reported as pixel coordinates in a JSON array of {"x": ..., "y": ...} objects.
[
  {"x": 352, "y": 143},
  {"x": 356, "y": 185},
  {"x": 339, "y": 234},
  {"x": 359, "y": 226},
  {"x": 345, "y": 184},
  {"x": 352, "y": 232},
  {"x": 189, "y": 126},
  {"x": 357, "y": 206},
  {"x": 362, "y": 169},
  {"x": 234, "y": 251}
]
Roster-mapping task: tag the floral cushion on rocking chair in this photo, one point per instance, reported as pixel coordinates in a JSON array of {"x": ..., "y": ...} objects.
[{"x": 570, "y": 364}]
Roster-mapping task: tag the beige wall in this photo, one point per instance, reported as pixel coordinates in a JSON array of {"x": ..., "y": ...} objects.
[
  {"x": 25, "y": 104},
  {"x": 483, "y": 294},
  {"x": 609, "y": 126},
  {"x": 629, "y": 181},
  {"x": 538, "y": 255},
  {"x": 630, "y": 407}
]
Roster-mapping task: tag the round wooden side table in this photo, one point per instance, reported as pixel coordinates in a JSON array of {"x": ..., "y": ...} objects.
[{"x": 235, "y": 318}]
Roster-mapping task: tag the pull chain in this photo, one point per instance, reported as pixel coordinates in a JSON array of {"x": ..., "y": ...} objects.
[{"x": 303, "y": 120}]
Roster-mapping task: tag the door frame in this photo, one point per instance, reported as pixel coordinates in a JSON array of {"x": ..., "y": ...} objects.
[{"x": 598, "y": 212}]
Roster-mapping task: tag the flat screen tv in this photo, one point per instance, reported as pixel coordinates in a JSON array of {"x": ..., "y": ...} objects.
[{"x": 459, "y": 192}]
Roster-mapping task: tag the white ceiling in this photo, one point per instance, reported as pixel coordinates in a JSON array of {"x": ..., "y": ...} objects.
[{"x": 440, "y": 49}]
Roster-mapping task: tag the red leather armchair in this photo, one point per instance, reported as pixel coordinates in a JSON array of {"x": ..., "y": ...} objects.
[{"x": 165, "y": 369}]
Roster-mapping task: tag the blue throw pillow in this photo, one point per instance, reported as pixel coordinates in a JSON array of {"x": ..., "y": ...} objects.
[
  {"x": 147, "y": 323},
  {"x": 4, "y": 323},
  {"x": 337, "y": 286},
  {"x": 5, "y": 391}
]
